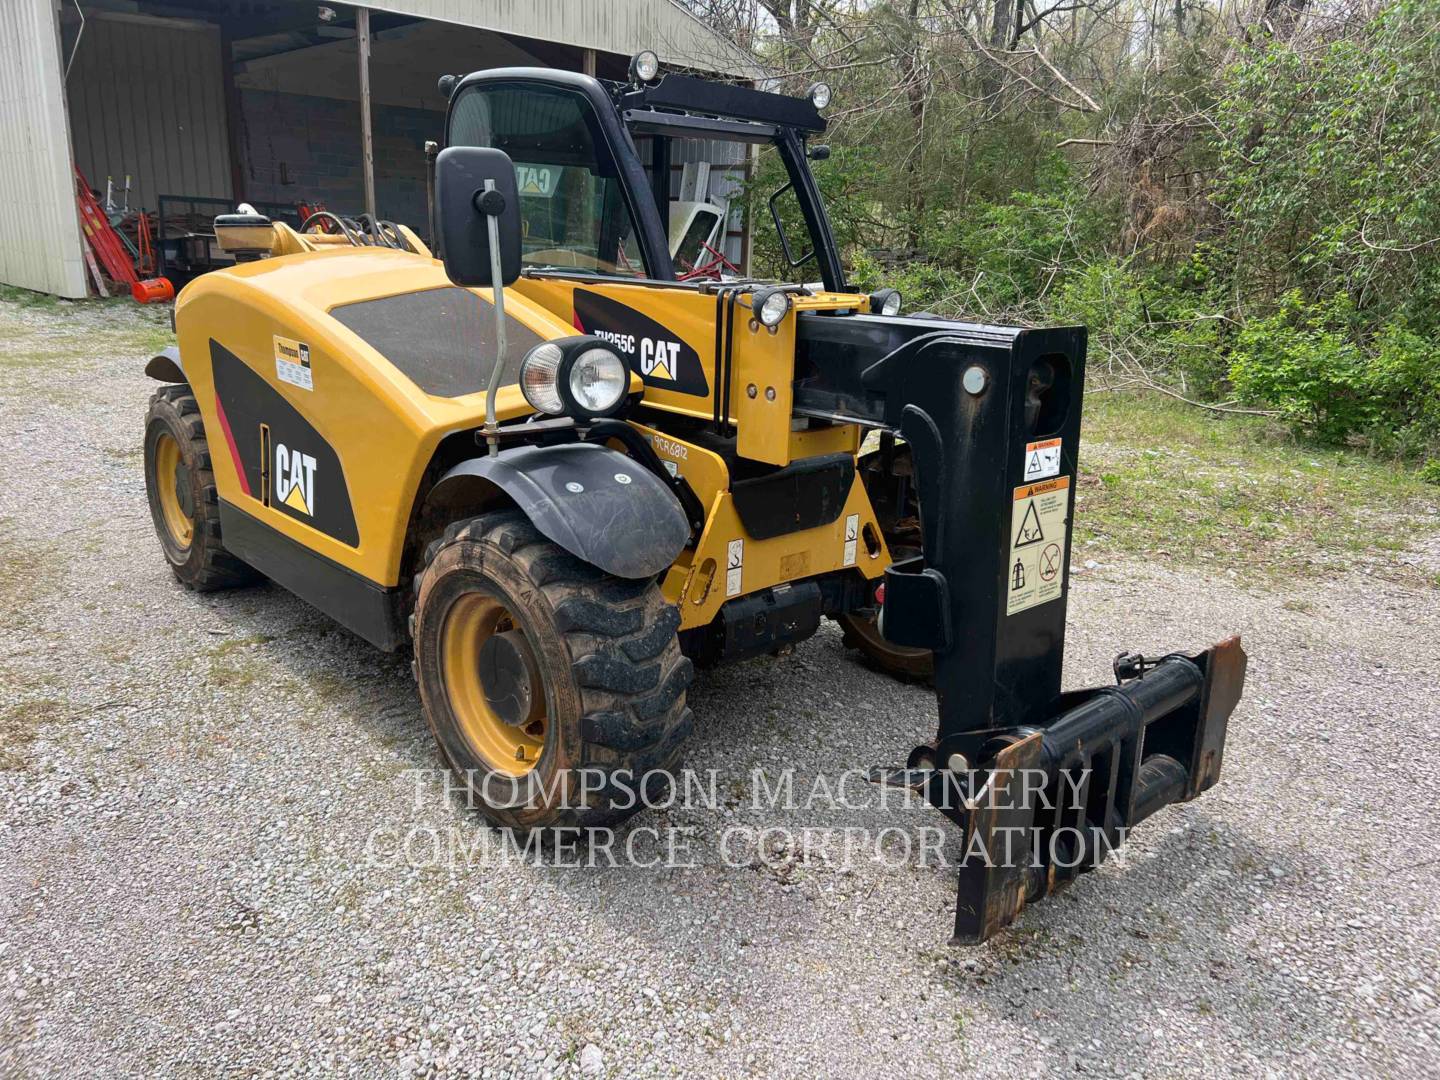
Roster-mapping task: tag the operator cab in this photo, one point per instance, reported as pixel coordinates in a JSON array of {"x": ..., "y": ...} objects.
[{"x": 644, "y": 180}]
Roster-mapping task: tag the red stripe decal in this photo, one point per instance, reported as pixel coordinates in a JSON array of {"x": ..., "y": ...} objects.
[
  {"x": 230, "y": 442},
  {"x": 576, "y": 320}
]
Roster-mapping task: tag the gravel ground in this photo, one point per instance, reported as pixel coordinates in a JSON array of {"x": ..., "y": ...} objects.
[{"x": 204, "y": 803}]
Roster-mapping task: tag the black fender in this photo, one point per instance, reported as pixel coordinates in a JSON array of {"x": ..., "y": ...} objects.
[
  {"x": 595, "y": 502},
  {"x": 166, "y": 367}
]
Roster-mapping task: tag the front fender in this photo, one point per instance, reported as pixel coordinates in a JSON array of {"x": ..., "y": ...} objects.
[
  {"x": 166, "y": 367},
  {"x": 596, "y": 503}
]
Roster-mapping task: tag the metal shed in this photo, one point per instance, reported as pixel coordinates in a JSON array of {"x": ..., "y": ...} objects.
[{"x": 268, "y": 101}]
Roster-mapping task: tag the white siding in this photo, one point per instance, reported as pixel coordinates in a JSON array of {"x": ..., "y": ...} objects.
[
  {"x": 147, "y": 100},
  {"x": 615, "y": 26},
  {"x": 39, "y": 229}
]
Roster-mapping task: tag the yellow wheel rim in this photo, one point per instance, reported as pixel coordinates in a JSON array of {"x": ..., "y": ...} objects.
[
  {"x": 167, "y": 487},
  {"x": 469, "y": 623}
]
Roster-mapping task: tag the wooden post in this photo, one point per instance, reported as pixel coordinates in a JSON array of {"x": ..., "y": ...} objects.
[
  {"x": 587, "y": 62},
  {"x": 94, "y": 269},
  {"x": 367, "y": 163}
]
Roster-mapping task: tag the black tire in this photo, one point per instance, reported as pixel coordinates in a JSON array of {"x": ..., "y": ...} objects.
[
  {"x": 175, "y": 443},
  {"x": 860, "y": 632},
  {"x": 900, "y": 525},
  {"x": 606, "y": 651}
]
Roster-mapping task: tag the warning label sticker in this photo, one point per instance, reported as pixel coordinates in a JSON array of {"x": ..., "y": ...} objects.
[
  {"x": 1039, "y": 526},
  {"x": 292, "y": 362},
  {"x": 852, "y": 533},
  {"x": 734, "y": 567},
  {"x": 1042, "y": 459}
]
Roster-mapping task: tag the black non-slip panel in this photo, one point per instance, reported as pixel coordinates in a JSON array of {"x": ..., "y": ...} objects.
[{"x": 443, "y": 339}]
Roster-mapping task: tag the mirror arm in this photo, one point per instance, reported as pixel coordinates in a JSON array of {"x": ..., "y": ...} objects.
[{"x": 486, "y": 204}]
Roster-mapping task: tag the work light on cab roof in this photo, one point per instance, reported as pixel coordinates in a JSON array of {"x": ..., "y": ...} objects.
[{"x": 644, "y": 66}]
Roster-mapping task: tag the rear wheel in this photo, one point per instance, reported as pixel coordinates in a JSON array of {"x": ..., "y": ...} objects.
[
  {"x": 555, "y": 691},
  {"x": 180, "y": 486},
  {"x": 862, "y": 632},
  {"x": 888, "y": 474}
]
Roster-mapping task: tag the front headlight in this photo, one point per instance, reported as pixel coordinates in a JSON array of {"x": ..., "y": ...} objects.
[
  {"x": 598, "y": 380},
  {"x": 578, "y": 376},
  {"x": 540, "y": 378}
]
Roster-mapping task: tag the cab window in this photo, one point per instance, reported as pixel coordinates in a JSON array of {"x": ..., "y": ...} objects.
[
  {"x": 573, "y": 207},
  {"x": 705, "y": 210}
]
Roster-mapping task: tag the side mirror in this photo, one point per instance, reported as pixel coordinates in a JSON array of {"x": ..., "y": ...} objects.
[{"x": 475, "y": 187}]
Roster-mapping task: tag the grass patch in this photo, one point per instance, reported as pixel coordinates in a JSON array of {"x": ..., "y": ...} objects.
[
  {"x": 232, "y": 666},
  {"x": 149, "y": 336},
  {"x": 26, "y": 299},
  {"x": 225, "y": 648},
  {"x": 1169, "y": 482},
  {"x": 54, "y": 335},
  {"x": 19, "y": 726},
  {"x": 238, "y": 676},
  {"x": 28, "y": 572}
]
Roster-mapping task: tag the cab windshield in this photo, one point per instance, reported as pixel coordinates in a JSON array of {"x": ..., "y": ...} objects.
[{"x": 573, "y": 209}]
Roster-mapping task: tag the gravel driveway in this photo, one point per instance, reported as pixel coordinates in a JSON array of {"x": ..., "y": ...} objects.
[{"x": 224, "y": 846}]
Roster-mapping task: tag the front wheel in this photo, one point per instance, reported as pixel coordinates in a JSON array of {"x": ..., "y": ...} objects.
[{"x": 555, "y": 691}]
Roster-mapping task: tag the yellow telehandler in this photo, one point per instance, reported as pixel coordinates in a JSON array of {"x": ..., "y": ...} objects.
[{"x": 565, "y": 472}]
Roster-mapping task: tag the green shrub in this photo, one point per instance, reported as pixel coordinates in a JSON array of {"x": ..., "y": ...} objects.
[
  {"x": 1329, "y": 168},
  {"x": 1314, "y": 363},
  {"x": 1404, "y": 376},
  {"x": 923, "y": 285},
  {"x": 1012, "y": 251},
  {"x": 1164, "y": 321},
  {"x": 1301, "y": 362}
]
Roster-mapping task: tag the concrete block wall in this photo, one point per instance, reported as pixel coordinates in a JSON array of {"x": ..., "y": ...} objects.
[{"x": 298, "y": 148}]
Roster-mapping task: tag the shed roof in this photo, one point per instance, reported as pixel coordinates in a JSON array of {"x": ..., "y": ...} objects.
[{"x": 615, "y": 26}]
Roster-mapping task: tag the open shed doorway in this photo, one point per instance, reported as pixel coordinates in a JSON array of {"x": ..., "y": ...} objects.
[
  {"x": 300, "y": 135},
  {"x": 182, "y": 110}
]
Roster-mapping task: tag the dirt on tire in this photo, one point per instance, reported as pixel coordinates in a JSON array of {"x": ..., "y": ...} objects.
[
  {"x": 609, "y": 657},
  {"x": 203, "y": 564}
]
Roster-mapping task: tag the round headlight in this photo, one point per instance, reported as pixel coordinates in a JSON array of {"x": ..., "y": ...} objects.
[
  {"x": 885, "y": 302},
  {"x": 770, "y": 306},
  {"x": 598, "y": 380},
  {"x": 539, "y": 378},
  {"x": 644, "y": 66},
  {"x": 819, "y": 95}
]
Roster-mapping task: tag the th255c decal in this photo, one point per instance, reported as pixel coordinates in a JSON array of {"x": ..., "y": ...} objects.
[{"x": 660, "y": 358}]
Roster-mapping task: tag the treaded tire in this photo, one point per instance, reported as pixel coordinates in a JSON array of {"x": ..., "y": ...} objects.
[
  {"x": 897, "y": 661},
  {"x": 861, "y": 631},
  {"x": 608, "y": 655},
  {"x": 202, "y": 564}
]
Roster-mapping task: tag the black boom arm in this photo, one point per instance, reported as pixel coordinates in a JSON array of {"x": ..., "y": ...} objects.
[{"x": 1044, "y": 783}]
